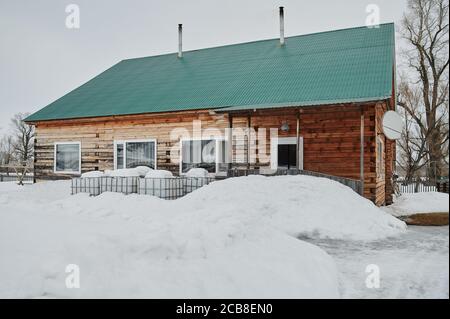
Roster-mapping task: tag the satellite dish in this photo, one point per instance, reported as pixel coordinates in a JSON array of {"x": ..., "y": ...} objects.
[{"x": 392, "y": 125}]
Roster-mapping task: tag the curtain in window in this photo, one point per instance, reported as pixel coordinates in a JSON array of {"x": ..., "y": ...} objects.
[
  {"x": 119, "y": 154},
  {"x": 140, "y": 154},
  {"x": 67, "y": 157}
]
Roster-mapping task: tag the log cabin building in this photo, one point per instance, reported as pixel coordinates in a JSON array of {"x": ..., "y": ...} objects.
[{"x": 323, "y": 94}]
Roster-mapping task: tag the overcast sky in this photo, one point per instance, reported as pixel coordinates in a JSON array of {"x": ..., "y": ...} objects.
[{"x": 41, "y": 59}]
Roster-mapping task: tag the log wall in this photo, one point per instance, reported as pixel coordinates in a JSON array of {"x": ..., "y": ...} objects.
[{"x": 331, "y": 137}]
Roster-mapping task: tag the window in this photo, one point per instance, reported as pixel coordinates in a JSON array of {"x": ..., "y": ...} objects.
[
  {"x": 209, "y": 154},
  {"x": 68, "y": 158},
  {"x": 130, "y": 154}
]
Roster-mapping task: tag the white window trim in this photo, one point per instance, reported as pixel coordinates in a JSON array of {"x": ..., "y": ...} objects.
[
  {"x": 275, "y": 141},
  {"x": 218, "y": 153},
  {"x": 79, "y": 157},
  {"x": 125, "y": 150}
]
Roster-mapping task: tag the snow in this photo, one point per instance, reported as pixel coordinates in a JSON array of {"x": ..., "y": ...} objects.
[
  {"x": 197, "y": 172},
  {"x": 159, "y": 173},
  {"x": 298, "y": 205},
  {"x": 92, "y": 174},
  {"x": 235, "y": 238},
  {"x": 414, "y": 265},
  {"x": 142, "y": 170},
  {"x": 419, "y": 203},
  {"x": 124, "y": 172}
]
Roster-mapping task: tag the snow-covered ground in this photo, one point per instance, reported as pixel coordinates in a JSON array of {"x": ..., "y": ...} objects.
[
  {"x": 419, "y": 203},
  {"x": 413, "y": 265},
  {"x": 235, "y": 238}
]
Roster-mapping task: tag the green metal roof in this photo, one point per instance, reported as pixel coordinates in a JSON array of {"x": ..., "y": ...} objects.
[{"x": 349, "y": 65}]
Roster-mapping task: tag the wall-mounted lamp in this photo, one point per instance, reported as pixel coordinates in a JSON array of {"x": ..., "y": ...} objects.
[{"x": 285, "y": 127}]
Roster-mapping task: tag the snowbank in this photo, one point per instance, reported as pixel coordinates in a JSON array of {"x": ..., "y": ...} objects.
[
  {"x": 132, "y": 260},
  {"x": 231, "y": 239},
  {"x": 299, "y": 205},
  {"x": 157, "y": 249},
  {"x": 419, "y": 203}
]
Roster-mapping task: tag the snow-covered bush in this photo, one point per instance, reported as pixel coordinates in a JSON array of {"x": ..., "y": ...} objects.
[
  {"x": 142, "y": 170},
  {"x": 159, "y": 173},
  {"x": 124, "y": 172},
  {"x": 197, "y": 172},
  {"x": 92, "y": 174}
]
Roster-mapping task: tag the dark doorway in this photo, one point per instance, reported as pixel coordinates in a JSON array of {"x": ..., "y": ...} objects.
[{"x": 286, "y": 156}]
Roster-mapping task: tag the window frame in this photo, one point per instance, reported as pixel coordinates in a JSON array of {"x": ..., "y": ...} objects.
[
  {"x": 55, "y": 146},
  {"x": 217, "y": 141},
  {"x": 124, "y": 142}
]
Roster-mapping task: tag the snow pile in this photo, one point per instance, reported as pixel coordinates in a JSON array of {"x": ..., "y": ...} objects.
[
  {"x": 231, "y": 239},
  {"x": 197, "y": 172},
  {"x": 298, "y": 205},
  {"x": 158, "y": 249},
  {"x": 159, "y": 173},
  {"x": 419, "y": 203},
  {"x": 92, "y": 174}
]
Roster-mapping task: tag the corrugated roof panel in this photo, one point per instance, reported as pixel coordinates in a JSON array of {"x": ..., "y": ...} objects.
[{"x": 344, "y": 65}]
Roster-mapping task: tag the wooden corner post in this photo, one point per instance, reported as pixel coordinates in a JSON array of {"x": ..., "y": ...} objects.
[
  {"x": 361, "y": 159},
  {"x": 297, "y": 140}
]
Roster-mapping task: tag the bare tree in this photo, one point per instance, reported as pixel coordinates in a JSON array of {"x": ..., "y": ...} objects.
[
  {"x": 24, "y": 138},
  {"x": 425, "y": 28},
  {"x": 412, "y": 145},
  {"x": 6, "y": 150}
]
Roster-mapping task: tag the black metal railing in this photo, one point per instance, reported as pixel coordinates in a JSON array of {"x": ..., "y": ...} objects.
[
  {"x": 354, "y": 184},
  {"x": 90, "y": 185},
  {"x": 97, "y": 185},
  {"x": 176, "y": 187},
  {"x": 15, "y": 178},
  {"x": 165, "y": 188},
  {"x": 191, "y": 184}
]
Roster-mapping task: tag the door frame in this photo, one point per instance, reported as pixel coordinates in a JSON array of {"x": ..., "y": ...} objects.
[{"x": 275, "y": 141}]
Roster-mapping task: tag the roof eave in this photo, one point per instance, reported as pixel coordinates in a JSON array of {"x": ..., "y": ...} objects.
[{"x": 305, "y": 104}]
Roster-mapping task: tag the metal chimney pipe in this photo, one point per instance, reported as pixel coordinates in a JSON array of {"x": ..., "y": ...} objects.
[
  {"x": 282, "y": 25},
  {"x": 180, "y": 40}
]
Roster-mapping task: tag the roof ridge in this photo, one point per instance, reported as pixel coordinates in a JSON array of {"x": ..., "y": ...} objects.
[{"x": 255, "y": 41}]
